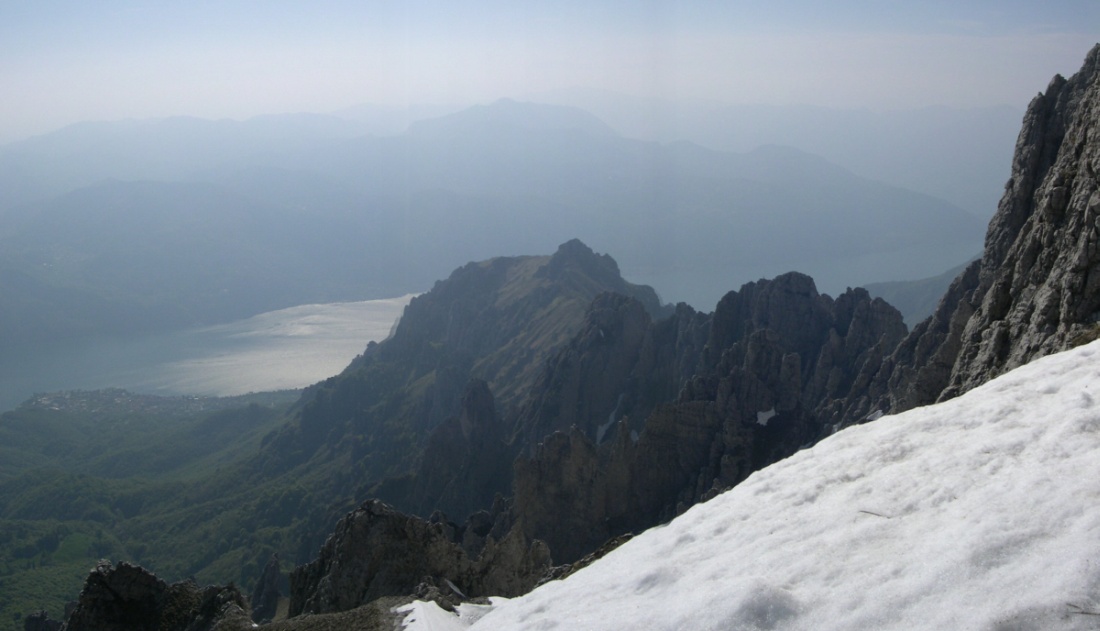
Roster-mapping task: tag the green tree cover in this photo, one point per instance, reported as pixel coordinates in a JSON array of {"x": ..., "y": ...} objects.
[
  {"x": 167, "y": 483},
  {"x": 210, "y": 488}
]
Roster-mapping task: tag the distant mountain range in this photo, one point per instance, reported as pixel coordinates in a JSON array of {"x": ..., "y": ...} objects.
[
  {"x": 560, "y": 408},
  {"x": 916, "y": 299},
  {"x": 960, "y": 155},
  {"x": 115, "y": 227}
]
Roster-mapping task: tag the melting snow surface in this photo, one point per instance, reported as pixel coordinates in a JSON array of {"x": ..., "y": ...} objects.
[
  {"x": 979, "y": 513},
  {"x": 427, "y": 616}
]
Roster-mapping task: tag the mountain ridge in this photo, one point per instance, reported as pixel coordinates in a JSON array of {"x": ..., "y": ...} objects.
[
  {"x": 499, "y": 192},
  {"x": 983, "y": 326},
  {"x": 773, "y": 369},
  {"x": 1033, "y": 291},
  {"x": 495, "y": 320}
]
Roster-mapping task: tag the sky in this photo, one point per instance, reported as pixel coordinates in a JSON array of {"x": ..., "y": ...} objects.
[
  {"x": 67, "y": 61},
  {"x": 977, "y": 513}
]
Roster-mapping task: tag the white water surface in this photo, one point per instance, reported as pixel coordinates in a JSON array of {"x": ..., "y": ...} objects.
[{"x": 284, "y": 349}]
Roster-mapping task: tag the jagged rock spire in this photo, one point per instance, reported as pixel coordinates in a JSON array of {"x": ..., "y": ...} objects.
[{"x": 1036, "y": 289}]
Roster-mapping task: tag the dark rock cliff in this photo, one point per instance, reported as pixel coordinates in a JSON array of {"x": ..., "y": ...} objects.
[
  {"x": 376, "y": 551},
  {"x": 265, "y": 595},
  {"x": 1036, "y": 288},
  {"x": 779, "y": 361},
  {"x": 495, "y": 321},
  {"x": 620, "y": 365},
  {"x": 467, "y": 463},
  {"x": 129, "y": 598}
]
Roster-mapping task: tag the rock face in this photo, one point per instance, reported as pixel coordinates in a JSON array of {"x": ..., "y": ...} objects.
[
  {"x": 496, "y": 321},
  {"x": 467, "y": 463},
  {"x": 130, "y": 598},
  {"x": 634, "y": 420},
  {"x": 376, "y": 551},
  {"x": 620, "y": 365},
  {"x": 767, "y": 371},
  {"x": 265, "y": 596},
  {"x": 1036, "y": 288}
]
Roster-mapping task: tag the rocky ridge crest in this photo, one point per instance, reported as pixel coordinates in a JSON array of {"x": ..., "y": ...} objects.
[
  {"x": 1036, "y": 288},
  {"x": 127, "y": 597},
  {"x": 376, "y": 551},
  {"x": 495, "y": 321},
  {"x": 771, "y": 365}
]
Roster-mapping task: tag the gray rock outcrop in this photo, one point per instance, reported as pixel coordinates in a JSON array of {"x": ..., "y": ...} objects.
[
  {"x": 619, "y": 367},
  {"x": 778, "y": 364},
  {"x": 376, "y": 551},
  {"x": 265, "y": 596},
  {"x": 1036, "y": 288},
  {"x": 466, "y": 464}
]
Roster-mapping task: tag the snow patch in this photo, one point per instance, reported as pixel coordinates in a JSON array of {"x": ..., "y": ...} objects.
[
  {"x": 427, "y": 616},
  {"x": 762, "y": 418},
  {"x": 978, "y": 513},
  {"x": 610, "y": 419}
]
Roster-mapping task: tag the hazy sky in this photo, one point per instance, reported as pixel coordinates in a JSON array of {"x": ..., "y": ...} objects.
[{"x": 62, "y": 62}]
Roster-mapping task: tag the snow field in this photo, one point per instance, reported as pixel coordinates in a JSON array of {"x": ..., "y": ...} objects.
[{"x": 979, "y": 513}]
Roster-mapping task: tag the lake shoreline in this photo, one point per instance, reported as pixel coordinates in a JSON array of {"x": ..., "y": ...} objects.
[{"x": 278, "y": 350}]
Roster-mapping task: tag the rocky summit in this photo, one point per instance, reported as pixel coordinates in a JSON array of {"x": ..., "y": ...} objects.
[
  {"x": 496, "y": 321},
  {"x": 633, "y": 420}
]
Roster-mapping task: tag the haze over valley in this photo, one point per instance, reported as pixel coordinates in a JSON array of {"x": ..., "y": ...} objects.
[
  {"x": 768, "y": 142},
  {"x": 133, "y": 231},
  {"x": 360, "y": 314}
]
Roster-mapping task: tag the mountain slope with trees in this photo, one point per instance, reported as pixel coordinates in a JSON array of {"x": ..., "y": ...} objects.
[{"x": 622, "y": 414}]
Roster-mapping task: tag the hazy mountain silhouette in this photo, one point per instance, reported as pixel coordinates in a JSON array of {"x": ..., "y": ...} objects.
[
  {"x": 958, "y": 154},
  {"x": 205, "y": 221}
]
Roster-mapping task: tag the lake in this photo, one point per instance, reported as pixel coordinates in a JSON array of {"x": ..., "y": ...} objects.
[{"x": 284, "y": 349}]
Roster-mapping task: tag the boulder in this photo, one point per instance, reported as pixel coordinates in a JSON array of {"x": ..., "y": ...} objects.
[
  {"x": 130, "y": 598},
  {"x": 376, "y": 551}
]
